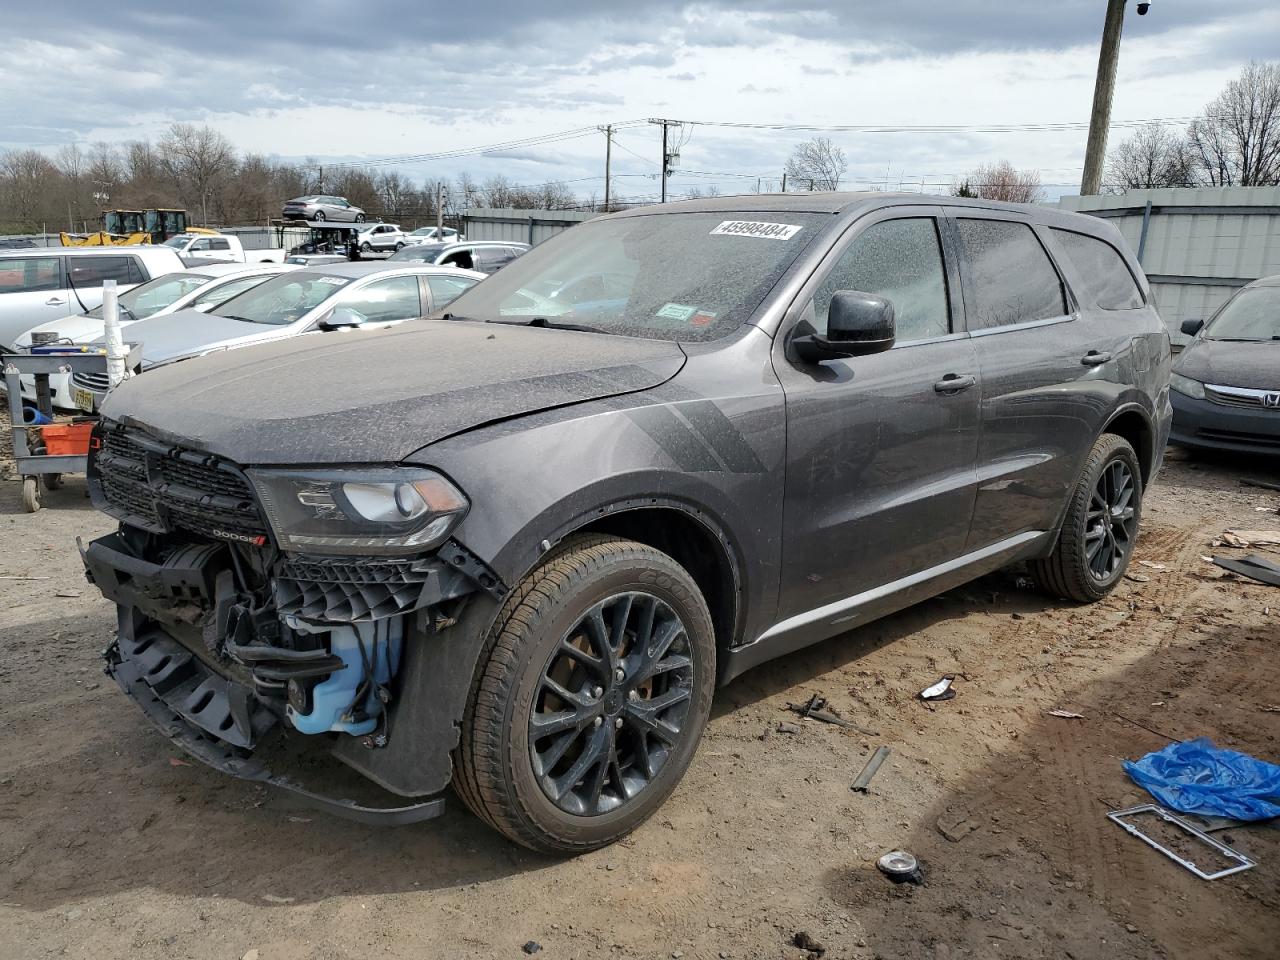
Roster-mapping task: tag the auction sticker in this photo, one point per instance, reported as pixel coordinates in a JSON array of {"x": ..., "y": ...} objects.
[
  {"x": 759, "y": 229},
  {"x": 333, "y": 281}
]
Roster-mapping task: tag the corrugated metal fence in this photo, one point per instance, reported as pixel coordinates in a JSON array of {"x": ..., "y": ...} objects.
[
  {"x": 524, "y": 226},
  {"x": 1197, "y": 246}
]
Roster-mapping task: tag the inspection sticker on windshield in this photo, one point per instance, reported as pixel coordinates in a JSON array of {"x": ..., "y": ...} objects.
[
  {"x": 333, "y": 281},
  {"x": 759, "y": 229},
  {"x": 676, "y": 311}
]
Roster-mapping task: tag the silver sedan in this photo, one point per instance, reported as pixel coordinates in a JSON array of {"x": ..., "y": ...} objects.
[{"x": 321, "y": 207}]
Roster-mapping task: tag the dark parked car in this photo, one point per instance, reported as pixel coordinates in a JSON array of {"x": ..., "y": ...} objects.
[
  {"x": 1226, "y": 383},
  {"x": 517, "y": 549}
]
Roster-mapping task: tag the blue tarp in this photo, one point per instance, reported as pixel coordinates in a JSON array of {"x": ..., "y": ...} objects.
[{"x": 1196, "y": 777}]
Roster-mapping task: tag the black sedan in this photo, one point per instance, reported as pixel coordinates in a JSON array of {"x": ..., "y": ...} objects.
[{"x": 1226, "y": 383}]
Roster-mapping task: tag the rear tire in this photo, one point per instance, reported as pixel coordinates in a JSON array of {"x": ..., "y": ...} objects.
[
  {"x": 318, "y": 215},
  {"x": 566, "y": 775},
  {"x": 1100, "y": 528},
  {"x": 366, "y": 247},
  {"x": 359, "y": 218}
]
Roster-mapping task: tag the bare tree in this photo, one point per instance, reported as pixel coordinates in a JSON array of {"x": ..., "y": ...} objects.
[
  {"x": 1237, "y": 140},
  {"x": 198, "y": 160},
  {"x": 817, "y": 163},
  {"x": 1001, "y": 181},
  {"x": 1152, "y": 156}
]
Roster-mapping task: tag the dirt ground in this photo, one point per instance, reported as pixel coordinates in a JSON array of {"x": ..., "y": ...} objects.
[{"x": 111, "y": 846}]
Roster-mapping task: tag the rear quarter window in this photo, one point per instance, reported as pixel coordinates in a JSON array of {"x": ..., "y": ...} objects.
[
  {"x": 1010, "y": 276},
  {"x": 1109, "y": 283},
  {"x": 92, "y": 271}
]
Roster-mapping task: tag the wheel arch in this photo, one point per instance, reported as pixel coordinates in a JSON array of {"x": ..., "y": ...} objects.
[
  {"x": 1133, "y": 423},
  {"x": 691, "y": 536}
]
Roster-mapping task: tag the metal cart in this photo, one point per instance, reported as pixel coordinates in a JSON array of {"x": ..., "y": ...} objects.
[{"x": 33, "y": 467}]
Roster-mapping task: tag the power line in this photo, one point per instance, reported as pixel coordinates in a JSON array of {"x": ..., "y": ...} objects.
[{"x": 924, "y": 128}]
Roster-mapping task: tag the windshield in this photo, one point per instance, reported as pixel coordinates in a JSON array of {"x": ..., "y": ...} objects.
[
  {"x": 148, "y": 298},
  {"x": 667, "y": 276},
  {"x": 1253, "y": 314},
  {"x": 178, "y": 241},
  {"x": 420, "y": 253},
  {"x": 283, "y": 299}
]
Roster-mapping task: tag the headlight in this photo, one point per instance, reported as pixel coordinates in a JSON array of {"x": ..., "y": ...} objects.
[
  {"x": 375, "y": 511},
  {"x": 1187, "y": 386}
]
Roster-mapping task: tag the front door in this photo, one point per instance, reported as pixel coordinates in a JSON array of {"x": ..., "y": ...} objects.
[{"x": 881, "y": 448}]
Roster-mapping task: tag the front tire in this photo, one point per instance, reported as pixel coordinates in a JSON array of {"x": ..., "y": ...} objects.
[
  {"x": 1100, "y": 529},
  {"x": 593, "y": 693},
  {"x": 366, "y": 247}
]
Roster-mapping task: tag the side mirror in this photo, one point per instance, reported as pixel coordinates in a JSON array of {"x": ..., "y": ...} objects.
[
  {"x": 857, "y": 324},
  {"x": 1192, "y": 327},
  {"x": 340, "y": 317}
]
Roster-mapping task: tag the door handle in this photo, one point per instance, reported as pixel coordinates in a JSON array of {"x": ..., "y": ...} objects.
[
  {"x": 1093, "y": 358},
  {"x": 55, "y": 301},
  {"x": 954, "y": 384}
]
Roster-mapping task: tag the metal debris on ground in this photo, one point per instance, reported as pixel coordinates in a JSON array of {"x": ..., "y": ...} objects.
[
  {"x": 939, "y": 691},
  {"x": 1153, "y": 566},
  {"x": 784, "y": 727},
  {"x": 1223, "y": 852},
  {"x": 863, "y": 780},
  {"x": 817, "y": 708},
  {"x": 900, "y": 867},
  {"x": 1137, "y": 577},
  {"x": 1066, "y": 714},
  {"x": 532, "y": 947},
  {"x": 1253, "y": 566}
]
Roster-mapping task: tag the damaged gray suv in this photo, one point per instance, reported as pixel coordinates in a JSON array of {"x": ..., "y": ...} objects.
[{"x": 513, "y": 549}]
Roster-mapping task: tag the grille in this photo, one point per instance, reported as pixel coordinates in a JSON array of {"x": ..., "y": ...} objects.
[
  {"x": 167, "y": 487},
  {"x": 351, "y": 589},
  {"x": 90, "y": 381},
  {"x": 1236, "y": 396}
]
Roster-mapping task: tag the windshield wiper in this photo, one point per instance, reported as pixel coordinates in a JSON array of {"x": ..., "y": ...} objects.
[
  {"x": 1241, "y": 339},
  {"x": 548, "y": 324}
]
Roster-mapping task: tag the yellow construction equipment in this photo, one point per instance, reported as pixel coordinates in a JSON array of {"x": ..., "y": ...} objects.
[{"x": 103, "y": 239}]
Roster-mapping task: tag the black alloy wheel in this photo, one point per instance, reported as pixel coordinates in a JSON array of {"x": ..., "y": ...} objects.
[
  {"x": 611, "y": 704},
  {"x": 1111, "y": 522}
]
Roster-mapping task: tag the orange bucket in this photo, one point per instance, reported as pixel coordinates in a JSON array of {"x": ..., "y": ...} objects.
[{"x": 66, "y": 439}]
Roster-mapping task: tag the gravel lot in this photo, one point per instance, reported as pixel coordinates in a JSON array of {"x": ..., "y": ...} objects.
[{"x": 112, "y": 846}]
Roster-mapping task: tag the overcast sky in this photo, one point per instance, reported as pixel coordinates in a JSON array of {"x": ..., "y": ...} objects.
[{"x": 370, "y": 80}]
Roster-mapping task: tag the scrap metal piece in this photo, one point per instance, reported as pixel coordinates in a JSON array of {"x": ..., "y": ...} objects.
[
  {"x": 863, "y": 779},
  {"x": 1242, "y": 862},
  {"x": 1254, "y": 567},
  {"x": 815, "y": 709}
]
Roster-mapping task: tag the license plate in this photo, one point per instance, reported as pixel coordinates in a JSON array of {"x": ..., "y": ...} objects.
[{"x": 83, "y": 399}]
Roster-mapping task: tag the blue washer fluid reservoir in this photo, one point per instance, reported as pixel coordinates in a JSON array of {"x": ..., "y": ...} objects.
[{"x": 333, "y": 699}]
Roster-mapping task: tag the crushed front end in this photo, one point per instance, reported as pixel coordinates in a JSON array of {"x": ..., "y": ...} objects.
[{"x": 256, "y": 606}]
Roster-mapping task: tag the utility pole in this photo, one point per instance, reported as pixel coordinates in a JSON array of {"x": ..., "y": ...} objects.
[
  {"x": 784, "y": 181},
  {"x": 320, "y": 179},
  {"x": 608, "y": 153},
  {"x": 665, "y": 158},
  {"x": 1108, "y": 57},
  {"x": 439, "y": 210}
]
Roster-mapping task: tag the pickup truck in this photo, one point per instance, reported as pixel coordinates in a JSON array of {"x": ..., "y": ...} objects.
[{"x": 219, "y": 248}]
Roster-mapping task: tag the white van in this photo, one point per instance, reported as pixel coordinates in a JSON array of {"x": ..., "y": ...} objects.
[{"x": 46, "y": 283}]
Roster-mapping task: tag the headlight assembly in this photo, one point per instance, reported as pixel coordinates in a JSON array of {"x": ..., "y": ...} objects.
[
  {"x": 373, "y": 511},
  {"x": 1186, "y": 386}
]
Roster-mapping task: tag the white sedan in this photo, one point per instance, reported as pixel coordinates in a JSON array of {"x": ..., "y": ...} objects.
[{"x": 200, "y": 288}]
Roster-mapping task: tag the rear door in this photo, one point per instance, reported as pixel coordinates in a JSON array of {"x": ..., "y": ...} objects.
[
  {"x": 880, "y": 449},
  {"x": 33, "y": 291},
  {"x": 1039, "y": 412},
  {"x": 87, "y": 274}
]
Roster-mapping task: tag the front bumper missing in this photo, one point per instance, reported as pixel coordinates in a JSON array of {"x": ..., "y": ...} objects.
[{"x": 173, "y": 621}]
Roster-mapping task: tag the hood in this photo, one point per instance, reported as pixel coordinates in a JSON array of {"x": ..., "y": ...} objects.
[
  {"x": 377, "y": 396},
  {"x": 1252, "y": 365},
  {"x": 75, "y": 327},
  {"x": 189, "y": 332}
]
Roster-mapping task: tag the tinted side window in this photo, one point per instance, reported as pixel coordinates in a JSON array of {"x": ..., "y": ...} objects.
[
  {"x": 900, "y": 260},
  {"x": 30, "y": 274},
  {"x": 91, "y": 271},
  {"x": 1012, "y": 278},
  {"x": 217, "y": 244},
  {"x": 1102, "y": 267}
]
